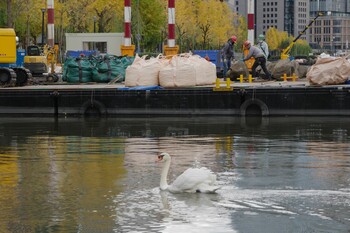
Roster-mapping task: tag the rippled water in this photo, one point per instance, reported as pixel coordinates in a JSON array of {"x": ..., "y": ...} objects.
[{"x": 100, "y": 175}]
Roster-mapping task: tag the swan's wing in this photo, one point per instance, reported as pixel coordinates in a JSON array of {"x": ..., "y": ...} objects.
[{"x": 192, "y": 179}]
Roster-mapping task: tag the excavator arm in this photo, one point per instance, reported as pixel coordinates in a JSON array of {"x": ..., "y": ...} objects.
[{"x": 285, "y": 52}]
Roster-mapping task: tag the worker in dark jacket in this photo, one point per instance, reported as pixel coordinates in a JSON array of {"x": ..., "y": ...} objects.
[
  {"x": 228, "y": 53},
  {"x": 260, "y": 59}
]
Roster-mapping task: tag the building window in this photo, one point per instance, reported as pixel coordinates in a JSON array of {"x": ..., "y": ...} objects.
[
  {"x": 336, "y": 30},
  {"x": 99, "y": 46},
  {"x": 336, "y": 22}
]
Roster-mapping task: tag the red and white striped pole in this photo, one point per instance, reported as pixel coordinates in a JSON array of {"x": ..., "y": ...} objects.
[
  {"x": 50, "y": 23},
  {"x": 127, "y": 23},
  {"x": 250, "y": 19},
  {"x": 171, "y": 23}
]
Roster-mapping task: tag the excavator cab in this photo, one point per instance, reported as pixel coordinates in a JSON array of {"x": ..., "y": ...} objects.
[
  {"x": 35, "y": 61},
  {"x": 33, "y": 50}
]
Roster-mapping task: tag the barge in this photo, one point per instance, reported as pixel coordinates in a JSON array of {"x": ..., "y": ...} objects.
[{"x": 274, "y": 98}]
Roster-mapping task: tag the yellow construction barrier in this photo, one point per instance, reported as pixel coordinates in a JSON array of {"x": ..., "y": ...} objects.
[
  {"x": 127, "y": 50},
  {"x": 171, "y": 51}
]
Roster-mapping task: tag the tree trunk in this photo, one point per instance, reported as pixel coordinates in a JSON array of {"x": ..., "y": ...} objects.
[
  {"x": 28, "y": 33},
  {"x": 9, "y": 14}
]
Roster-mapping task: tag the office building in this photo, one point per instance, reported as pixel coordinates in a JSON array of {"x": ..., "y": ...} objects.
[
  {"x": 291, "y": 16},
  {"x": 330, "y": 32}
]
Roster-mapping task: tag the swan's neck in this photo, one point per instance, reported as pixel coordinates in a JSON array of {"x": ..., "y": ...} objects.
[{"x": 164, "y": 175}]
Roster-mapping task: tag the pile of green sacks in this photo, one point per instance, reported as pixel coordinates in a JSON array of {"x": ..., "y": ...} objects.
[{"x": 101, "y": 69}]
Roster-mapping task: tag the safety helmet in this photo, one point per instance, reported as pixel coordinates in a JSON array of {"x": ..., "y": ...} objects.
[
  {"x": 261, "y": 37},
  {"x": 246, "y": 43},
  {"x": 234, "y": 39}
]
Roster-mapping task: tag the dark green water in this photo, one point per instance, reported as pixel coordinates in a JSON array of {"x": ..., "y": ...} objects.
[{"x": 99, "y": 175}]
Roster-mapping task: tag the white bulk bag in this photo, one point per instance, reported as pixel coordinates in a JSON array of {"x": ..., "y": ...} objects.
[
  {"x": 143, "y": 72},
  {"x": 180, "y": 72},
  {"x": 205, "y": 70}
]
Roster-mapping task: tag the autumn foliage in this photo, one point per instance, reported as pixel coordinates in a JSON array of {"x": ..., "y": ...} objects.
[{"x": 200, "y": 24}]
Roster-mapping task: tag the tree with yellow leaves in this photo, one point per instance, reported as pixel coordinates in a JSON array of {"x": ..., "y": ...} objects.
[
  {"x": 200, "y": 24},
  {"x": 207, "y": 24},
  {"x": 274, "y": 38},
  {"x": 279, "y": 40}
]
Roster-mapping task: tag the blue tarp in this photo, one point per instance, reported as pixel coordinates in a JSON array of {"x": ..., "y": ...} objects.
[
  {"x": 77, "y": 53},
  {"x": 214, "y": 56},
  {"x": 140, "y": 88}
]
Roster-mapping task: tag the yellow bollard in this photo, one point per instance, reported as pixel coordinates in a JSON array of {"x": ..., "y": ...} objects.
[
  {"x": 250, "y": 78},
  {"x": 294, "y": 77},
  {"x": 228, "y": 82},
  {"x": 226, "y": 88},
  {"x": 285, "y": 77},
  {"x": 240, "y": 78},
  {"x": 217, "y": 83}
]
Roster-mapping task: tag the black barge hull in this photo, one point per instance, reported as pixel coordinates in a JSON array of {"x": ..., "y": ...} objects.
[{"x": 243, "y": 100}]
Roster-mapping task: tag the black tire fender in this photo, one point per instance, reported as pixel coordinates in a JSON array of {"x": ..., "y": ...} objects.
[
  {"x": 263, "y": 107},
  {"x": 93, "y": 104}
]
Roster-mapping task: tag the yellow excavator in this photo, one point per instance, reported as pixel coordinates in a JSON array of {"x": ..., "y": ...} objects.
[
  {"x": 285, "y": 52},
  {"x": 35, "y": 60},
  {"x": 11, "y": 69}
]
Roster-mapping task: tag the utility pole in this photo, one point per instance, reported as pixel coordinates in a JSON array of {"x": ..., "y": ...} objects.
[{"x": 43, "y": 26}]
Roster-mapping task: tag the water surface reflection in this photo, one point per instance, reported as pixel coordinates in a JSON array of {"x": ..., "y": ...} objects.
[{"x": 100, "y": 175}]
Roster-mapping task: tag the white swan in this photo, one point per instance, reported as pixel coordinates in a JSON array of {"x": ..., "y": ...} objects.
[{"x": 192, "y": 180}]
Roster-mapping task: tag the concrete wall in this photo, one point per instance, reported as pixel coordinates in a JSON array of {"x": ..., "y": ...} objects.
[{"x": 75, "y": 41}]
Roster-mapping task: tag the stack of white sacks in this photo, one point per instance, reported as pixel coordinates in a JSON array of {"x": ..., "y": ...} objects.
[{"x": 184, "y": 70}]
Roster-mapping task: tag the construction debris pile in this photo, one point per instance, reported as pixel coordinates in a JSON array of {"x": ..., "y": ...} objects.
[{"x": 329, "y": 70}]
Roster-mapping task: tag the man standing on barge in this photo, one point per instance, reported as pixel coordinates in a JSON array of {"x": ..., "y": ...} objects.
[
  {"x": 263, "y": 45},
  {"x": 228, "y": 53},
  {"x": 260, "y": 59}
]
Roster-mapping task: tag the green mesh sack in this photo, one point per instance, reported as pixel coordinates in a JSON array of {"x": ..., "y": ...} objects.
[
  {"x": 78, "y": 70},
  {"x": 127, "y": 61},
  {"x": 65, "y": 68},
  {"x": 109, "y": 68}
]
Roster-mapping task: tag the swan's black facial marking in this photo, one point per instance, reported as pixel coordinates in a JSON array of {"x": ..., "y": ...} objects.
[
  {"x": 160, "y": 157},
  {"x": 198, "y": 191}
]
